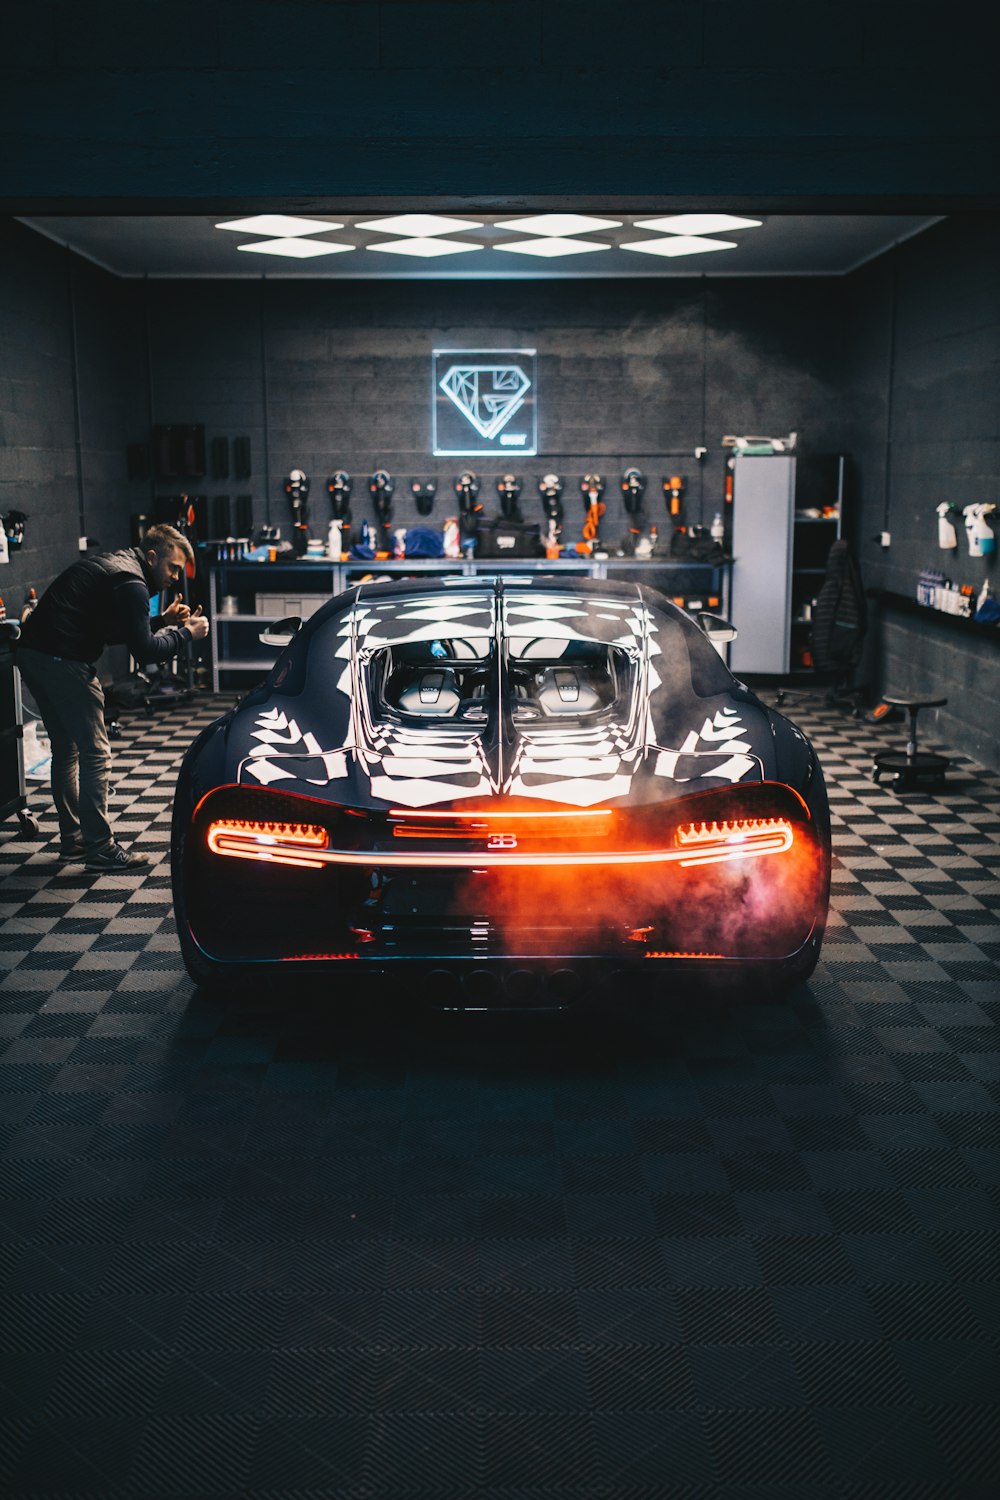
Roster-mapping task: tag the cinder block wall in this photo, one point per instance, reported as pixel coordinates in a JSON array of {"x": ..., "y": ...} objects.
[
  {"x": 630, "y": 372},
  {"x": 67, "y": 488},
  {"x": 922, "y": 376}
]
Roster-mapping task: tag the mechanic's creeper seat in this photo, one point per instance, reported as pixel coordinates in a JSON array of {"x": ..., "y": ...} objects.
[{"x": 911, "y": 768}]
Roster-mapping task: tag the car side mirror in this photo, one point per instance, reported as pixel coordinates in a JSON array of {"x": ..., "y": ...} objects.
[
  {"x": 281, "y": 632},
  {"x": 718, "y": 630}
]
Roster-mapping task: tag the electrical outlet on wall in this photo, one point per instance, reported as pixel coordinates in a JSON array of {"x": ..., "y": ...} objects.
[
  {"x": 83, "y": 544},
  {"x": 885, "y": 539}
]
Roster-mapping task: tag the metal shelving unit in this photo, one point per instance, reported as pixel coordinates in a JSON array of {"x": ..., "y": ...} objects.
[{"x": 234, "y": 637}]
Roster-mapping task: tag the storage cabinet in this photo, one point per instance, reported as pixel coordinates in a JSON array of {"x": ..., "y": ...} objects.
[{"x": 787, "y": 513}]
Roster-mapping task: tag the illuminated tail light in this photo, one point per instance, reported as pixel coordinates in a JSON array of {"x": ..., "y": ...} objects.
[
  {"x": 738, "y": 838},
  {"x": 312, "y": 958},
  {"x": 682, "y": 954},
  {"x": 294, "y": 844}
]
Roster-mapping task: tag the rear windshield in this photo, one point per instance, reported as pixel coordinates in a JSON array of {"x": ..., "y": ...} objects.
[
  {"x": 453, "y": 679},
  {"x": 553, "y": 679},
  {"x": 434, "y": 680}
]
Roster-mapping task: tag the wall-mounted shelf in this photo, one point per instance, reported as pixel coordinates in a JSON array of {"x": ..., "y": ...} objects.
[{"x": 907, "y": 606}]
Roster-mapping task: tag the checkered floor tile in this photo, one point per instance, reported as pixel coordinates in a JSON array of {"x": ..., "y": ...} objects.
[{"x": 260, "y": 1246}]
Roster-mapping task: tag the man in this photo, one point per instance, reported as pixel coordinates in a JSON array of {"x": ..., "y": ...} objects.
[{"x": 100, "y": 601}]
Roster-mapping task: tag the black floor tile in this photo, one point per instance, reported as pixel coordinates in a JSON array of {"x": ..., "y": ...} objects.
[{"x": 249, "y": 1248}]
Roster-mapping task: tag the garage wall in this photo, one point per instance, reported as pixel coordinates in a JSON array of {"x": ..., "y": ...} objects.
[
  {"x": 66, "y": 490},
  {"x": 922, "y": 374},
  {"x": 628, "y": 372}
]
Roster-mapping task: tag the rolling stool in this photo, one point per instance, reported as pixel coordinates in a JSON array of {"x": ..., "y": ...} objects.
[{"x": 911, "y": 768}]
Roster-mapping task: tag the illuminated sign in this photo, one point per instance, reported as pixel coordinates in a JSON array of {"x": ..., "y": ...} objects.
[{"x": 483, "y": 401}]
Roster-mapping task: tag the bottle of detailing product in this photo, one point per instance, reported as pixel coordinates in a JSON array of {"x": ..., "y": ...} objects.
[
  {"x": 30, "y": 604},
  {"x": 718, "y": 531},
  {"x": 3, "y": 609}
]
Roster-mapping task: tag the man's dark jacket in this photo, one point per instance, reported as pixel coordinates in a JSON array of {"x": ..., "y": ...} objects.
[{"x": 100, "y": 601}]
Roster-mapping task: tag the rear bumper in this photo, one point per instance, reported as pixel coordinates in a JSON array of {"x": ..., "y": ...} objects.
[{"x": 528, "y": 981}]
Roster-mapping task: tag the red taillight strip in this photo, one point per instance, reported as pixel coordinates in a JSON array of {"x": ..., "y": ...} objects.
[
  {"x": 684, "y": 955},
  {"x": 296, "y": 844},
  {"x": 305, "y": 845},
  {"x": 711, "y": 844},
  {"x": 308, "y": 958},
  {"x": 477, "y": 860}
]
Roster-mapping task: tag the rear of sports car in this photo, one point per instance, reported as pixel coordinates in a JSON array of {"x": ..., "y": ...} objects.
[
  {"x": 524, "y": 781},
  {"x": 718, "y": 883}
]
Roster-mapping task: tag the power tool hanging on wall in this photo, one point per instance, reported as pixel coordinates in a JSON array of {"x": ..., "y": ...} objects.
[
  {"x": 469, "y": 508},
  {"x": 633, "y": 487},
  {"x": 509, "y": 490},
  {"x": 673, "y": 490},
  {"x": 381, "y": 487},
  {"x": 338, "y": 487},
  {"x": 297, "y": 490},
  {"x": 550, "y": 487},
  {"x": 592, "y": 489},
  {"x": 423, "y": 492}
]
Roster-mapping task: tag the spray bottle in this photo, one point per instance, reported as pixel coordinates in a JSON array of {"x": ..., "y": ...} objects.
[
  {"x": 452, "y": 538},
  {"x": 982, "y": 542},
  {"x": 947, "y": 535}
]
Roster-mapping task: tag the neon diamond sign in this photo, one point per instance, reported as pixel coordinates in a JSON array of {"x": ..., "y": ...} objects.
[
  {"x": 477, "y": 396},
  {"x": 488, "y": 395}
]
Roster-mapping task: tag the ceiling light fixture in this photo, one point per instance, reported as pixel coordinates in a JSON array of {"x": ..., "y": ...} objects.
[
  {"x": 423, "y": 247},
  {"x": 679, "y": 244},
  {"x": 552, "y": 247},
  {"x": 295, "y": 249},
  {"x": 279, "y": 224},
  {"x": 420, "y": 226},
  {"x": 697, "y": 223},
  {"x": 558, "y": 224}
]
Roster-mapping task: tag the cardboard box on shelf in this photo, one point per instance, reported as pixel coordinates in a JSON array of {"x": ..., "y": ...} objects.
[{"x": 280, "y": 606}]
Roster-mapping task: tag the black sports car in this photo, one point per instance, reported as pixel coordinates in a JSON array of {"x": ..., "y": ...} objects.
[{"x": 496, "y": 779}]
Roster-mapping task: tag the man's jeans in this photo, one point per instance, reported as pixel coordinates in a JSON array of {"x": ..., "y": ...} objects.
[{"x": 71, "y": 702}]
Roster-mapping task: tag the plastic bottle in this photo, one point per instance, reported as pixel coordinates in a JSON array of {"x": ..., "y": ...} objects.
[
  {"x": 3, "y": 609},
  {"x": 30, "y": 604},
  {"x": 718, "y": 530}
]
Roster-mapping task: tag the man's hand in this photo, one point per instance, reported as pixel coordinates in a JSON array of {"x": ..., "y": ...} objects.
[
  {"x": 176, "y": 613},
  {"x": 197, "y": 624}
]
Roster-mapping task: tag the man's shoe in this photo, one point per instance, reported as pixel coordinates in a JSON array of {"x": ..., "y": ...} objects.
[
  {"x": 71, "y": 854},
  {"x": 115, "y": 859}
]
